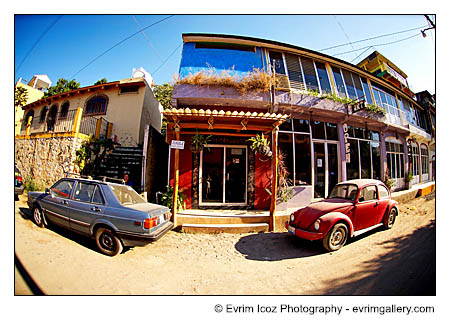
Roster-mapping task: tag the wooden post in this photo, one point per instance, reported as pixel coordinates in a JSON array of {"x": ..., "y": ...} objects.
[
  {"x": 109, "y": 130},
  {"x": 98, "y": 126},
  {"x": 273, "y": 198},
  {"x": 77, "y": 120},
  {"x": 175, "y": 180},
  {"x": 27, "y": 132}
]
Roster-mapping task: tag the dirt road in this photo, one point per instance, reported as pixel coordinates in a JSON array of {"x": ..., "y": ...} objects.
[{"x": 401, "y": 261}]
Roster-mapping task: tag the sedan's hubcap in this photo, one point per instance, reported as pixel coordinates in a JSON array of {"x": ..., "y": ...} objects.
[
  {"x": 37, "y": 216},
  {"x": 107, "y": 242}
]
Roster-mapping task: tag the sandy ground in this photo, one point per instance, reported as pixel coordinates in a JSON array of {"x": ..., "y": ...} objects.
[{"x": 401, "y": 261}]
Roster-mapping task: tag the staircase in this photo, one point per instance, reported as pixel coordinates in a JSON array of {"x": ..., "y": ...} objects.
[{"x": 219, "y": 221}]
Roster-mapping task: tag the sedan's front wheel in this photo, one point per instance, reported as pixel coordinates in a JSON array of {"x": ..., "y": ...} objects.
[
  {"x": 108, "y": 242},
  {"x": 38, "y": 217},
  {"x": 336, "y": 237}
]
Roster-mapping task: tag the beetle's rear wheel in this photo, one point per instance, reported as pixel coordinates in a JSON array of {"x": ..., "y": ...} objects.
[{"x": 336, "y": 237}]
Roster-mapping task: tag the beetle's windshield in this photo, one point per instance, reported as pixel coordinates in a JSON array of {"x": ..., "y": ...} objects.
[
  {"x": 344, "y": 191},
  {"x": 125, "y": 194}
]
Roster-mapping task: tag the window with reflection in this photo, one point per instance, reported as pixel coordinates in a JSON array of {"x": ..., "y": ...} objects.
[
  {"x": 339, "y": 81},
  {"x": 367, "y": 90},
  {"x": 276, "y": 59},
  {"x": 286, "y": 148},
  {"x": 302, "y": 159},
  {"x": 424, "y": 158},
  {"x": 301, "y": 126},
  {"x": 395, "y": 158},
  {"x": 96, "y": 105},
  {"x": 318, "y": 130},
  {"x": 323, "y": 78}
]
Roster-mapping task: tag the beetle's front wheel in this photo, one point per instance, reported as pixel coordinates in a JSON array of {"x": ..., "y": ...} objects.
[{"x": 336, "y": 237}]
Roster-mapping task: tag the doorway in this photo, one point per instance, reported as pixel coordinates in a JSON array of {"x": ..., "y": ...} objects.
[
  {"x": 223, "y": 175},
  {"x": 326, "y": 168}
]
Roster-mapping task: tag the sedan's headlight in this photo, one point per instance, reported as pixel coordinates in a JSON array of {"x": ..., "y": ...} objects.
[
  {"x": 317, "y": 225},
  {"x": 292, "y": 217}
]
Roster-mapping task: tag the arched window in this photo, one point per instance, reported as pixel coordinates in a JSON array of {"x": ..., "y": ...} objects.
[
  {"x": 43, "y": 114},
  {"x": 414, "y": 159},
  {"x": 27, "y": 116},
  {"x": 96, "y": 105},
  {"x": 64, "y": 110}
]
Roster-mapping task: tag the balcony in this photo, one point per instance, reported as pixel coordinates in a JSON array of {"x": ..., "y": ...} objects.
[{"x": 65, "y": 123}]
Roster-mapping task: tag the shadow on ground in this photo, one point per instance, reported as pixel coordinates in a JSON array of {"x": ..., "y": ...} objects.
[
  {"x": 408, "y": 268},
  {"x": 73, "y": 236}
]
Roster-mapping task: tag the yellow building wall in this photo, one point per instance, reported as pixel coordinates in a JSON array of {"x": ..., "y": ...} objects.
[{"x": 33, "y": 95}]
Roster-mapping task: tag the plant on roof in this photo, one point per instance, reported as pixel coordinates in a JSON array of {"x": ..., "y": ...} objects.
[
  {"x": 62, "y": 86},
  {"x": 371, "y": 108}
]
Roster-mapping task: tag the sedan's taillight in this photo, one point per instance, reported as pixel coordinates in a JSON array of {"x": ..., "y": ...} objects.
[{"x": 150, "y": 222}]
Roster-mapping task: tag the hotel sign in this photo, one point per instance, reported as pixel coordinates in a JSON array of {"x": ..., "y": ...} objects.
[
  {"x": 346, "y": 142},
  {"x": 177, "y": 144}
]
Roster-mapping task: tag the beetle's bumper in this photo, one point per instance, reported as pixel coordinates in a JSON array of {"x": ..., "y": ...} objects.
[
  {"x": 130, "y": 239},
  {"x": 303, "y": 233}
]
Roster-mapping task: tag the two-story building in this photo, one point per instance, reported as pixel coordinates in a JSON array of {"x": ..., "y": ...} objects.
[
  {"x": 331, "y": 120},
  {"x": 126, "y": 111}
]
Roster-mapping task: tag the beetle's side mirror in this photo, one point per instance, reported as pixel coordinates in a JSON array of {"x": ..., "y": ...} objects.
[{"x": 361, "y": 199}]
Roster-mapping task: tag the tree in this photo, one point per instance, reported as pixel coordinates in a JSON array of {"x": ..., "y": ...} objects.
[
  {"x": 20, "y": 96},
  {"x": 101, "y": 81},
  {"x": 163, "y": 94},
  {"x": 91, "y": 154},
  {"x": 62, "y": 86}
]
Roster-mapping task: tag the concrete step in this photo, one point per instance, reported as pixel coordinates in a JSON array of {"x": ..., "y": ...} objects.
[
  {"x": 225, "y": 228},
  {"x": 221, "y": 219}
]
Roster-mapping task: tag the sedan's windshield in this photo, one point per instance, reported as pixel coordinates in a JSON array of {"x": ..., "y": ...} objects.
[
  {"x": 344, "y": 191},
  {"x": 126, "y": 195}
]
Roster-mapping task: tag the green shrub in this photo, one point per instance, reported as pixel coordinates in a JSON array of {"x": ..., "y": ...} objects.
[
  {"x": 30, "y": 185},
  {"x": 167, "y": 198}
]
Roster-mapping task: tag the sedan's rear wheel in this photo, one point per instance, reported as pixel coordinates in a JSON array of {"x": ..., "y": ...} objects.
[
  {"x": 38, "y": 217},
  {"x": 108, "y": 242},
  {"x": 336, "y": 237}
]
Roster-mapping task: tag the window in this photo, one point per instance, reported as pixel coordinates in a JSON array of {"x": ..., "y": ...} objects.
[
  {"x": 395, "y": 158},
  {"x": 365, "y": 155},
  {"x": 318, "y": 130},
  {"x": 224, "y": 46},
  {"x": 387, "y": 100},
  {"x": 358, "y": 86},
  {"x": 64, "y": 110},
  {"x": 43, "y": 114},
  {"x": 302, "y": 159},
  {"x": 97, "y": 105},
  {"x": 62, "y": 189},
  {"x": 129, "y": 90},
  {"x": 98, "y": 198},
  {"x": 339, "y": 81},
  {"x": 276, "y": 60},
  {"x": 126, "y": 195},
  {"x": 344, "y": 191},
  {"x": 382, "y": 192},
  {"x": 287, "y": 150},
  {"x": 424, "y": 158},
  {"x": 301, "y": 126},
  {"x": 351, "y": 91},
  {"x": 84, "y": 192},
  {"x": 368, "y": 193},
  {"x": 323, "y": 78},
  {"x": 414, "y": 159},
  {"x": 367, "y": 90},
  {"x": 295, "y": 73},
  {"x": 309, "y": 72}
]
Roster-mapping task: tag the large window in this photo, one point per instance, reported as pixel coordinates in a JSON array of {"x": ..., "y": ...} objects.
[
  {"x": 367, "y": 90},
  {"x": 424, "y": 158},
  {"x": 276, "y": 60},
  {"x": 339, "y": 81},
  {"x": 295, "y": 145},
  {"x": 407, "y": 111},
  {"x": 414, "y": 159},
  {"x": 97, "y": 105},
  {"x": 387, "y": 100},
  {"x": 365, "y": 157},
  {"x": 395, "y": 158},
  {"x": 323, "y": 78}
]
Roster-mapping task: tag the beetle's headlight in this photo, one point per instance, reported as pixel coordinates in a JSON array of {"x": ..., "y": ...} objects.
[
  {"x": 292, "y": 217},
  {"x": 317, "y": 225}
]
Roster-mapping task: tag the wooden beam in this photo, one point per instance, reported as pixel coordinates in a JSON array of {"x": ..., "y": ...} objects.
[
  {"x": 176, "y": 179},
  {"x": 273, "y": 198},
  {"x": 220, "y": 134},
  {"x": 237, "y": 126}
]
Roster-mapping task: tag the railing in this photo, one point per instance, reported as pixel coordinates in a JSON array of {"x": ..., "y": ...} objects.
[{"x": 89, "y": 125}]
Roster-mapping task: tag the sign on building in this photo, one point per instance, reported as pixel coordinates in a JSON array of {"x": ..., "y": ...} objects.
[
  {"x": 346, "y": 142},
  {"x": 177, "y": 144}
]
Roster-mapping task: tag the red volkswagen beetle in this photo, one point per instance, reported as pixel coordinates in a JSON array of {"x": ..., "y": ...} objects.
[{"x": 353, "y": 207}]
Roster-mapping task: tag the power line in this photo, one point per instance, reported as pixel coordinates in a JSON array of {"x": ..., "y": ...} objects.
[
  {"x": 342, "y": 28},
  {"x": 38, "y": 40},
  {"x": 173, "y": 52},
  {"x": 117, "y": 44},
  {"x": 147, "y": 39},
  {"x": 362, "y": 48},
  {"x": 375, "y": 37}
]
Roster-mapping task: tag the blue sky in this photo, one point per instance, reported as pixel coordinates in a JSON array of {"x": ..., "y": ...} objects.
[{"x": 62, "y": 49}]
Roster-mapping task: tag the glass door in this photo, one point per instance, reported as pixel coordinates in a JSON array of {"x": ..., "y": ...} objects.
[
  {"x": 333, "y": 166},
  {"x": 326, "y": 168},
  {"x": 223, "y": 175},
  {"x": 319, "y": 170}
]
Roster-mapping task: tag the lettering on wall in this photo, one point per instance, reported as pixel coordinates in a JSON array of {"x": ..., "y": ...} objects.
[{"x": 346, "y": 142}]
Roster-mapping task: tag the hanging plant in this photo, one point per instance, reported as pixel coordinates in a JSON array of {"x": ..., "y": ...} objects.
[
  {"x": 260, "y": 144},
  {"x": 199, "y": 141}
]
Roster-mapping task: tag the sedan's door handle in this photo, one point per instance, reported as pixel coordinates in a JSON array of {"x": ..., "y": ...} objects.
[
  {"x": 65, "y": 202},
  {"x": 95, "y": 209}
]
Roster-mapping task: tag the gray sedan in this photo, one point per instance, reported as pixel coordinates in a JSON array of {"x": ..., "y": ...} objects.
[{"x": 113, "y": 214}]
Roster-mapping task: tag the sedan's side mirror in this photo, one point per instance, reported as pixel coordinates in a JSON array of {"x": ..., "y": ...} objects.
[{"x": 47, "y": 191}]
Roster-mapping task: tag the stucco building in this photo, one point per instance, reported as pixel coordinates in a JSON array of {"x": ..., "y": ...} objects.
[{"x": 331, "y": 120}]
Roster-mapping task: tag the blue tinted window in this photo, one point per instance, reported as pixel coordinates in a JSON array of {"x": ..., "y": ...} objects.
[
  {"x": 339, "y": 82},
  {"x": 323, "y": 78},
  {"x": 367, "y": 90}
]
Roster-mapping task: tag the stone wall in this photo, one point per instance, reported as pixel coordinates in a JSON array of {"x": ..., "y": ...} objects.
[{"x": 46, "y": 159}]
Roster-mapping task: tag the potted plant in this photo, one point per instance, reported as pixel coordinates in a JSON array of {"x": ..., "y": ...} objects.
[
  {"x": 198, "y": 141},
  {"x": 387, "y": 181},
  {"x": 408, "y": 179},
  {"x": 260, "y": 144}
]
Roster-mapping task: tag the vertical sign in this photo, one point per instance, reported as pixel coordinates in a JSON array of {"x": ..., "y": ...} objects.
[{"x": 347, "y": 144}]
